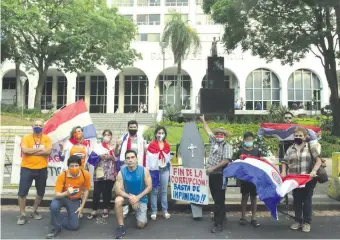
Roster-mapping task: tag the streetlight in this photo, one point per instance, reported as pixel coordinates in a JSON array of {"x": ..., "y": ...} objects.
[
  {"x": 22, "y": 80},
  {"x": 164, "y": 45}
]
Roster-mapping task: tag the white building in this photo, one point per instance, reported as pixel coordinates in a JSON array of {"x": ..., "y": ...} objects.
[{"x": 109, "y": 91}]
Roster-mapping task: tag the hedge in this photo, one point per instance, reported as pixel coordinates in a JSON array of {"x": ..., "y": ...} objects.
[{"x": 328, "y": 143}]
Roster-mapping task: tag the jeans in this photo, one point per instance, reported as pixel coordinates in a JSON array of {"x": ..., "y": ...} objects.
[
  {"x": 102, "y": 187},
  {"x": 71, "y": 221},
  {"x": 303, "y": 202},
  {"x": 164, "y": 181},
  {"x": 218, "y": 194}
]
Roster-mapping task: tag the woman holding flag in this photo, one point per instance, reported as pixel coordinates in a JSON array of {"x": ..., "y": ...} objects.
[
  {"x": 76, "y": 145},
  {"x": 158, "y": 162},
  {"x": 299, "y": 159}
]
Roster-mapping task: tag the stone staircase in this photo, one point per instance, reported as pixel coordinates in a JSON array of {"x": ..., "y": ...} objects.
[{"x": 116, "y": 122}]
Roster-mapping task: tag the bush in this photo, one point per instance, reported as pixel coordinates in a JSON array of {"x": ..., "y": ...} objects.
[
  {"x": 276, "y": 113},
  {"x": 171, "y": 113},
  {"x": 28, "y": 113}
]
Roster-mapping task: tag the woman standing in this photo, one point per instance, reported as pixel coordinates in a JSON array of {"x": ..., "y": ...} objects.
[
  {"x": 76, "y": 145},
  {"x": 300, "y": 158},
  {"x": 104, "y": 175},
  {"x": 158, "y": 162}
]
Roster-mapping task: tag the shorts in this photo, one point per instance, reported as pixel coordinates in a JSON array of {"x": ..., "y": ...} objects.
[
  {"x": 141, "y": 211},
  {"x": 26, "y": 178},
  {"x": 248, "y": 188}
]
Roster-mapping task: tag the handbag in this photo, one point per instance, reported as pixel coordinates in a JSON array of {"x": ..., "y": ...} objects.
[{"x": 322, "y": 175}]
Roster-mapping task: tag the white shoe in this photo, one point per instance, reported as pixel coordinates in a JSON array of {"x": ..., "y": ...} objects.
[
  {"x": 166, "y": 215},
  {"x": 154, "y": 216}
]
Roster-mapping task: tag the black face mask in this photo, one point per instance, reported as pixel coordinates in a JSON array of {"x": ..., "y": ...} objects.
[
  {"x": 132, "y": 132},
  {"x": 298, "y": 141}
]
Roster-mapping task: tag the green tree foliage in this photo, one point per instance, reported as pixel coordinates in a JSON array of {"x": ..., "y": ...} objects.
[
  {"x": 284, "y": 29},
  {"x": 182, "y": 39},
  {"x": 73, "y": 35}
]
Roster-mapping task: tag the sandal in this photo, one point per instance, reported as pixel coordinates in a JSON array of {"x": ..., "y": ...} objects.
[
  {"x": 91, "y": 216},
  {"x": 255, "y": 223},
  {"x": 105, "y": 214},
  {"x": 243, "y": 221}
]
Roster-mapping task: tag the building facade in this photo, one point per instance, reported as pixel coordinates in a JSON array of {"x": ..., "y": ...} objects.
[{"x": 151, "y": 80}]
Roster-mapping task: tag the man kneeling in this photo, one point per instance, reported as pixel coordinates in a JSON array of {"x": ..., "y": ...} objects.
[
  {"x": 70, "y": 185},
  {"x": 132, "y": 186}
]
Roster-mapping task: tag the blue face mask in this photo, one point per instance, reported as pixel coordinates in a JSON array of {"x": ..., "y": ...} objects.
[
  {"x": 248, "y": 144},
  {"x": 37, "y": 130}
]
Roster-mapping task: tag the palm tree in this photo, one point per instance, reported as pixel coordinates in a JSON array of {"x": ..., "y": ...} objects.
[{"x": 182, "y": 39}]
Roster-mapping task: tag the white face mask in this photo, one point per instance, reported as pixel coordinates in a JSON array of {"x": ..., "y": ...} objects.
[
  {"x": 106, "y": 139},
  {"x": 160, "y": 137}
]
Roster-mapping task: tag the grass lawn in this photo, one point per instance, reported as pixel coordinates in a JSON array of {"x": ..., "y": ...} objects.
[{"x": 14, "y": 120}]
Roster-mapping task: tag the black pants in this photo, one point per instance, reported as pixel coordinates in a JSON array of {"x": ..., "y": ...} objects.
[
  {"x": 218, "y": 194},
  {"x": 102, "y": 187},
  {"x": 303, "y": 202}
]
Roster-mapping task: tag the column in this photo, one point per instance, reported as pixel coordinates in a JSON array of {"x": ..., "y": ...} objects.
[
  {"x": 121, "y": 93},
  {"x": 71, "y": 87},
  {"x": 110, "y": 94},
  {"x": 1, "y": 77},
  {"x": 87, "y": 91},
  {"x": 55, "y": 92}
]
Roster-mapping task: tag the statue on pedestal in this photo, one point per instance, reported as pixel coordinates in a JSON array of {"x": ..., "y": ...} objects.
[{"x": 213, "y": 49}]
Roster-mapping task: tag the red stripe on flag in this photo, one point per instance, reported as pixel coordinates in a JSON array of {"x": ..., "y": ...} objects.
[
  {"x": 285, "y": 126},
  {"x": 301, "y": 179},
  {"x": 64, "y": 115}
]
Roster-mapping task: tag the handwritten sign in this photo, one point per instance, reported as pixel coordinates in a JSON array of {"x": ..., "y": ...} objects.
[{"x": 189, "y": 185}]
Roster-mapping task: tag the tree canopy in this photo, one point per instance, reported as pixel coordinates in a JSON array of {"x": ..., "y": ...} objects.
[
  {"x": 74, "y": 35},
  {"x": 287, "y": 30}
]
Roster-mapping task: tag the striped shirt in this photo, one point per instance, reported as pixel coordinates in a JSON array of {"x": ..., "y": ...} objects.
[{"x": 300, "y": 161}]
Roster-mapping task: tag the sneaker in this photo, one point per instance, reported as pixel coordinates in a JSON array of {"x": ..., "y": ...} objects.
[
  {"x": 120, "y": 232},
  {"x": 217, "y": 228},
  {"x": 36, "y": 215},
  {"x": 21, "y": 220},
  {"x": 306, "y": 227},
  {"x": 166, "y": 215},
  {"x": 295, "y": 226},
  {"x": 53, "y": 233},
  {"x": 154, "y": 216}
]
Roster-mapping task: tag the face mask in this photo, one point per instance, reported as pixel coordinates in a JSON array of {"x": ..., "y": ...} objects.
[
  {"x": 78, "y": 135},
  {"x": 132, "y": 132},
  {"x": 106, "y": 139},
  {"x": 74, "y": 171},
  {"x": 248, "y": 144},
  {"x": 37, "y": 129},
  {"x": 298, "y": 141},
  {"x": 219, "y": 139},
  {"x": 160, "y": 137}
]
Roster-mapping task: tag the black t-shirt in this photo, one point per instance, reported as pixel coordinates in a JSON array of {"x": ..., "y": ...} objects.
[{"x": 254, "y": 152}]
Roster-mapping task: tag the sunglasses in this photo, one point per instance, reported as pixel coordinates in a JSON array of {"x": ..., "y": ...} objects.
[{"x": 288, "y": 118}]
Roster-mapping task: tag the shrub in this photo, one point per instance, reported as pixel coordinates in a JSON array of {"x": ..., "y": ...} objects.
[
  {"x": 171, "y": 113},
  {"x": 276, "y": 113}
]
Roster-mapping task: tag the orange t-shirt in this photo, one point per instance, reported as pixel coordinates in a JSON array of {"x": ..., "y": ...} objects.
[
  {"x": 80, "y": 183},
  {"x": 33, "y": 161},
  {"x": 79, "y": 151}
]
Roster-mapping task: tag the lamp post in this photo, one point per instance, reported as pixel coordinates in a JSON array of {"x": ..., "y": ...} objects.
[
  {"x": 22, "y": 80},
  {"x": 164, "y": 45}
]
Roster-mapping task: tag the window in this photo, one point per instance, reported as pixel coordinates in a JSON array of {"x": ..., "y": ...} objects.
[
  {"x": 144, "y": 3},
  {"x": 176, "y": 2},
  {"x": 61, "y": 91},
  {"x": 262, "y": 90},
  {"x": 116, "y": 93},
  {"x": 9, "y": 83},
  {"x": 148, "y": 37},
  {"x": 202, "y": 19},
  {"x": 135, "y": 92},
  {"x": 199, "y": 2},
  {"x": 167, "y": 91},
  {"x": 304, "y": 90},
  {"x": 98, "y": 94},
  {"x": 122, "y": 3},
  {"x": 80, "y": 88},
  {"x": 167, "y": 18},
  {"x": 46, "y": 97},
  {"x": 148, "y": 19}
]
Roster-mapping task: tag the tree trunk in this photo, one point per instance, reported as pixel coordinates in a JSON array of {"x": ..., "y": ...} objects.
[
  {"x": 178, "y": 101},
  {"x": 19, "y": 89},
  {"x": 39, "y": 88}
]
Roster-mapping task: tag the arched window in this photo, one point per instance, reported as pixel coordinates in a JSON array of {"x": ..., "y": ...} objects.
[
  {"x": 304, "y": 90},
  {"x": 262, "y": 90}
]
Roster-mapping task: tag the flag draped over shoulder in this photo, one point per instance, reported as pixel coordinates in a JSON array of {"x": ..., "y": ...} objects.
[
  {"x": 284, "y": 131},
  {"x": 94, "y": 157},
  {"x": 156, "y": 158},
  {"x": 270, "y": 187}
]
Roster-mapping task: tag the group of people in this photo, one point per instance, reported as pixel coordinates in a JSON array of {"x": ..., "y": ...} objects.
[{"x": 138, "y": 169}]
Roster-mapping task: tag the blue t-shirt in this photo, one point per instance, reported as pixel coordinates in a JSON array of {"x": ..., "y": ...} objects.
[{"x": 134, "y": 181}]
